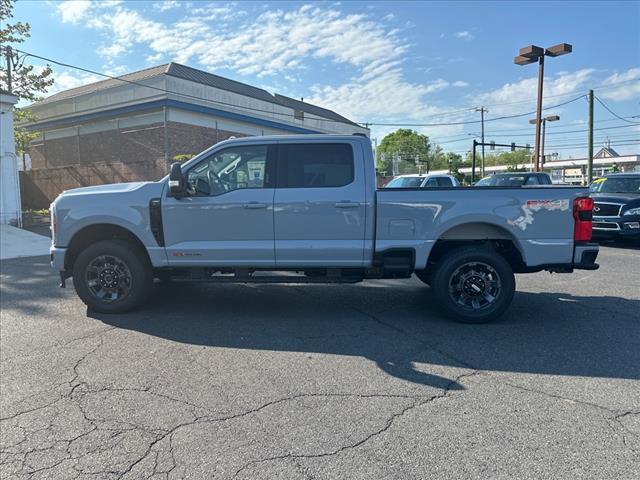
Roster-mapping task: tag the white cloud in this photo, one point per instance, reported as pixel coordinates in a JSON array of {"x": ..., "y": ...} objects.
[
  {"x": 216, "y": 11},
  {"x": 272, "y": 42},
  {"x": 460, "y": 84},
  {"x": 436, "y": 86},
  {"x": 66, "y": 79},
  {"x": 166, "y": 5},
  {"x": 465, "y": 35},
  {"x": 156, "y": 58},
  {"x": 72, "y": 11},
  {"x": 620, "y": 93}
]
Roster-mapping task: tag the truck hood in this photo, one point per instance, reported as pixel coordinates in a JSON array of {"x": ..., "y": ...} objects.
[
  {"x": 109, "y": 188},
  {"x": 131, "y": 194}
]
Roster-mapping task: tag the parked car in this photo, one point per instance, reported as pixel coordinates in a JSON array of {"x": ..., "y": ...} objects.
[
  {"x": 423, "y": 181},
  {"x": 514, "y": 179},
  {"x": 616, "y": 210},
  {"x": 247, "y": 209}
]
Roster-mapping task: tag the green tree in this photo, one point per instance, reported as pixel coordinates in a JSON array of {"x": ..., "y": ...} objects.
[
  {"x": 183, "y": 157},
  {"x": 28, "y": 82},
  {"x": 510, "y": 159},
  {"x": 409, "y": 146},
  {"x": 23, "y": 136}
]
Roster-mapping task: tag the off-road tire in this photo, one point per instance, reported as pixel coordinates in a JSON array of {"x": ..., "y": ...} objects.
[
  {"x": 136, "y": 264},
  {"x": 446, "y": 279}
]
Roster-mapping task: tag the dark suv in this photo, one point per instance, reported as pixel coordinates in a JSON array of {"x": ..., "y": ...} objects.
[{"x": 616, "y": 209}]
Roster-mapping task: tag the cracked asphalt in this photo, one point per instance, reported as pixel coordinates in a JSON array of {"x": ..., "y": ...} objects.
[{"x": 322, "y": 382}]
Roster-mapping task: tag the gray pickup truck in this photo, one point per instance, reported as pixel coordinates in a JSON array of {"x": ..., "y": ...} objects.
[{"x": 305, "y": 209}]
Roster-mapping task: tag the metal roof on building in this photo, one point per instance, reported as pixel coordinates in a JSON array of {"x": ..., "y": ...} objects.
[
  {"x": 204, "y": 78},
  {"x": 310, "y": 108},
  {"x": 105, "y": 84}
]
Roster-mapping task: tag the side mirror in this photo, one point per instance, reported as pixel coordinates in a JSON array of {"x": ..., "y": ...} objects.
[{"x": 176, "y": 181}]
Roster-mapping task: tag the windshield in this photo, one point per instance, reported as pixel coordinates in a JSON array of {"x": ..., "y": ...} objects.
[
  {"x": 405, "y": 182},
  {"x": 616, "y": 185}
]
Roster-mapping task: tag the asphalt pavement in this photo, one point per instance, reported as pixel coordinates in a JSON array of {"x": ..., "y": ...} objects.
[{"x": 365, "y": 381}]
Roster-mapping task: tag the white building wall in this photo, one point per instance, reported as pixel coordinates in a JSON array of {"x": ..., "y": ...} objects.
[{"x": 10, "y": 209}]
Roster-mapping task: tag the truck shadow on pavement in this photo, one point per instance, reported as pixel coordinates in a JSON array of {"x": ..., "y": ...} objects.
[
  {"x": 397, "y": 326},
  {"x": 392, "y": 323}
]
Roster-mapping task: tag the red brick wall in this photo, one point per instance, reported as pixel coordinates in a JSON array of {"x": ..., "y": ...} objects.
[
  {"x": 114, "y": 156},
  {"x": 190, "y": 139}
]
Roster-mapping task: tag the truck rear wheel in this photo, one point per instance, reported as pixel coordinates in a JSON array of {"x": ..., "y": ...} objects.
[
  {"x": 473, "y": 285},
  {"x": 112, "y": 276}
]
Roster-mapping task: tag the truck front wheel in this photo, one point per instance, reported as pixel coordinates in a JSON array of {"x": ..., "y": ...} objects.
[
  {"x": 112, "y": 276},
  {"x": 474, "y": 285}
]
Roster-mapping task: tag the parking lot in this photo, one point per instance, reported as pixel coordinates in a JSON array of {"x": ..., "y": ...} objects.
[{"x": 313, "y": 382}]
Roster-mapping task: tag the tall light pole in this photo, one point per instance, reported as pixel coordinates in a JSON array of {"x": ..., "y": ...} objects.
[
  {"x": 529, "y": 55},
  {"x": 482, "y": 111},
  {"x": 550, "y": 118}
]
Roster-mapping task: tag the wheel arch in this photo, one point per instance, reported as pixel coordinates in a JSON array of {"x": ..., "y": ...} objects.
[
  {"x": 480, "y": 233},
  {"x": 97, "y": 232}
]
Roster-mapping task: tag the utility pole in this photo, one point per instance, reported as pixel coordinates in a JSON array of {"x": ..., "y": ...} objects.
[
  {"x": 8, "y": 55},
  {"x": 473, "y": 162},
  {"x": 482, "y": 110},
  {"x": 590, "y": 141}
]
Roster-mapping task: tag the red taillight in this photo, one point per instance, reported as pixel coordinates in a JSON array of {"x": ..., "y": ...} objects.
[{"x": 583, "y": 216}]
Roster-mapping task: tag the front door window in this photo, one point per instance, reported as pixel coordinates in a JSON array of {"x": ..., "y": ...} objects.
[{"x": 228, "y": 170}]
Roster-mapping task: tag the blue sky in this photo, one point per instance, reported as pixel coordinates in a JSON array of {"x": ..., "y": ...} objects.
[{"x": 376, "y": 62}]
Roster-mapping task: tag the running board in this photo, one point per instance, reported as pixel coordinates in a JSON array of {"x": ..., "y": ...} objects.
[{"x": 199, "y": 276}]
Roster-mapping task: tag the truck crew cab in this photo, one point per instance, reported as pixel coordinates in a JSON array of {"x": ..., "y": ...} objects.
[{"x": 247, "y": 210}]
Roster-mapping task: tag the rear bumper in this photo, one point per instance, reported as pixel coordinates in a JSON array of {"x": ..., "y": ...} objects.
[
  {"x": 56, "y": 255},
  {"x": 584, "y": 256}
]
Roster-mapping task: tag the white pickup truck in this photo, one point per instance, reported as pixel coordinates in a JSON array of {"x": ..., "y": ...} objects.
[{"x": 302, "y": 209}]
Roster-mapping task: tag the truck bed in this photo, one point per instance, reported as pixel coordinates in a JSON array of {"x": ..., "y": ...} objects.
[{"x": 539, "y": 220}]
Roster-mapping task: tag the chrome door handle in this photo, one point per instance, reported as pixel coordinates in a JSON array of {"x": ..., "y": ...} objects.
[
  {"x": 254, "y": 205},
  {"x": 347, "y": 204}
]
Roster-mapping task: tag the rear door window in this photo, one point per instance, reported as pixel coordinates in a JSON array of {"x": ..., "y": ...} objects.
[
  {"x": 315, "y": 165},
  {"x": 544, "y": 180},
  {"x": 432, "y": 182},
  {"x": 444, "y": 182}
]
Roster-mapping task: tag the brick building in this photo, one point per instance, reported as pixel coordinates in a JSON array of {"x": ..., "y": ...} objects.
[{"x": 131, "y": 128}]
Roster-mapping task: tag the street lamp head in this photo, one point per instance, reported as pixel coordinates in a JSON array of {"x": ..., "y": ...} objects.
[
  {"x": 531, "y": 51},
  {"x": 533, "y": 121},
  {"x": 552, "y": 118},
  {"x": 521, "y": 60},
  {"x": 557, "y": 50}
]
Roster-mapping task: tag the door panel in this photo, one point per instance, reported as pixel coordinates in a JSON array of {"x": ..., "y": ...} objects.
[
  {"x": 227, "y": 220},
  {"x": 319, "y": 205}
]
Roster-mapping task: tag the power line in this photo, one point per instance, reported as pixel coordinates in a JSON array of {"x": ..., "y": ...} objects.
[
  {"x": 614, "y": 113},
  {"x": 552, "y": 127},
  {"x": 504, "y": 117},
  {"x": 564, "y": 132},
  {"x": 566, "y": 146},
  {"x": 501, "y": 133}
]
